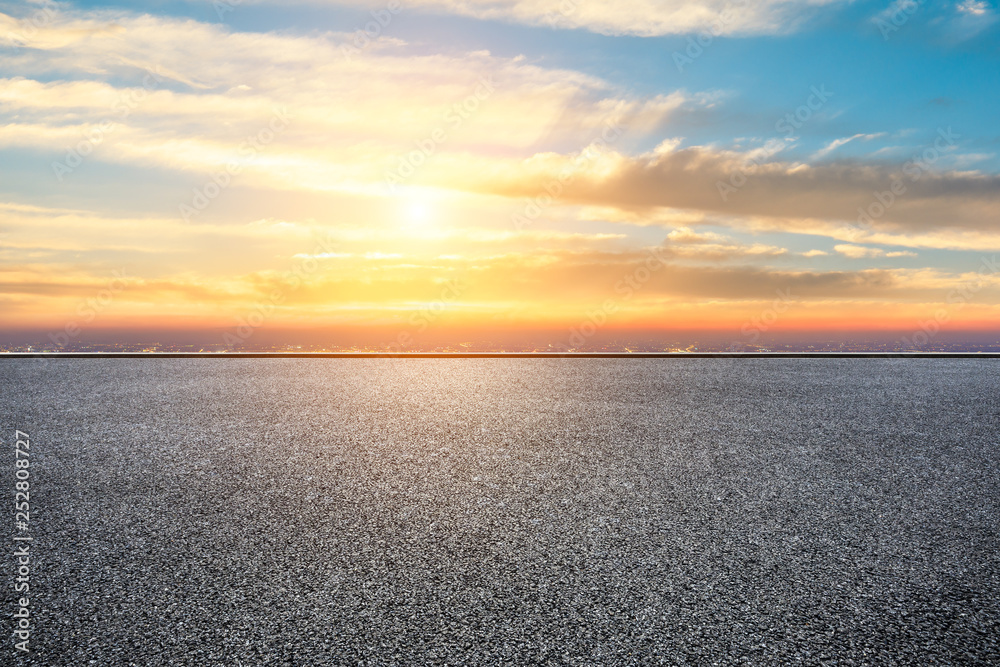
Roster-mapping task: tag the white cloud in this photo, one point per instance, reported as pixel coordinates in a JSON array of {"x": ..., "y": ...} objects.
[
  {"x": 646, "y": 18},
  {"x": 185, "y": 95},
  {"x": 687, "y": 235},
  {"x": 861, "y": 252},
  {"x": 974, "y": 7},
  {"x": 686, "y": 243},
  {"x": 837, "y": 143},
  {"x": 972, "y": 17}
]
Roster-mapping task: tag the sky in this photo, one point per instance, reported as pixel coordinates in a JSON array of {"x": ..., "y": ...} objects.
[{"x": 434, "y": 165}]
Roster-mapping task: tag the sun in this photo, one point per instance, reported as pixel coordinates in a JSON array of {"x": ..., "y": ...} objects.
[
  {"x": 417, "y": 210},
  {"x": 423, "y": 212},
  {"x": 417, "y": 213}
]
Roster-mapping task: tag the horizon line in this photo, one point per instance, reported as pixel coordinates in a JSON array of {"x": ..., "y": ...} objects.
[{"x": 497, "y": 355}]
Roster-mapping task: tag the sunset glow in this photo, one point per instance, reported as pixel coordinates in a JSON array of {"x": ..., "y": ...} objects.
[{"x": 343, "y": 164}]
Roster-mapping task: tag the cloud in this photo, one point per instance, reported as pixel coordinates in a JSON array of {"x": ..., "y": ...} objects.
[
  {"x": 860, "y": 252},
  {"x": 837, "y": 143},
  {"x": 685, "y": 243},
  {"x": 971, "y": 17},
  {"x": 186, "y": 96},
  {"x": 687, "y": 235},
  {"x": 974, "y": 7},
  {"x": 362, "y": 276},
  {"x": 47, "y": 28},
  {"x": 946, "y": 23},
  {"x": 571, "y": 283},
  {"x": 701, "y": 179},
  {"x": 646, "y": 18},
  {"x": 358, "y": 120},
  {"x": 483, "y": 135}
]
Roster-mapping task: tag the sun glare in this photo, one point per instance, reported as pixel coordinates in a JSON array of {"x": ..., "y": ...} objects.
[
  {"x": 418, "y": 213},
  {"x": 419, "y": 210}
]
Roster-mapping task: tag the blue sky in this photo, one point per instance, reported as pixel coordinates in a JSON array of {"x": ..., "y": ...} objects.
[
  {"x": 930, "y": 71},
  {"x": 746, "y": 158}
]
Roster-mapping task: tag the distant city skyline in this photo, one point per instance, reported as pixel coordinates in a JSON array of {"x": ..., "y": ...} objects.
[{"x": 553, "y": 340}]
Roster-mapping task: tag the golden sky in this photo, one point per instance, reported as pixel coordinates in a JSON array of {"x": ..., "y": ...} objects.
[{"x": 651, "y": 166}]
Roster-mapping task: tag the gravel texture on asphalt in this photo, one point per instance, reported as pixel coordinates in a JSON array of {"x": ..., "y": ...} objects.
[{"x": 508, "y": 511}]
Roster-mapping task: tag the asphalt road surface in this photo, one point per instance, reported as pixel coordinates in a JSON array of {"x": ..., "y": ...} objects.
[{"x": 505, "y": 511}]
